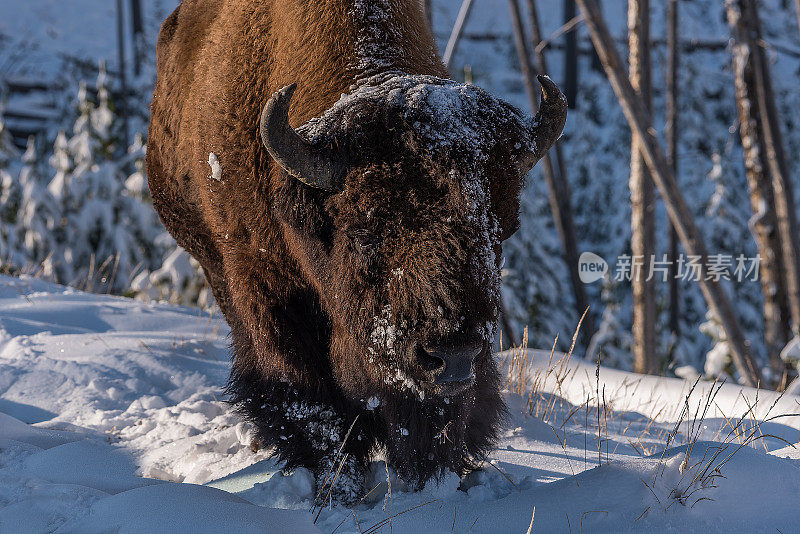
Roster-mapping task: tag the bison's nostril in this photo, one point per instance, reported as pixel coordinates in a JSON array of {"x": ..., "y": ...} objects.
[
  {"x": 453, "y": 361},
  {"x": 430, "y": 361}
]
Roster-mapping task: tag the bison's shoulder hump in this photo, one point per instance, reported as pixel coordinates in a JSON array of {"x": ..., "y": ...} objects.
[{"x": 185, "y": 30}]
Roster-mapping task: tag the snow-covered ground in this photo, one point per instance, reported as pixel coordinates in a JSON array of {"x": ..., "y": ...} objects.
[{"x": 112, "y": 420}]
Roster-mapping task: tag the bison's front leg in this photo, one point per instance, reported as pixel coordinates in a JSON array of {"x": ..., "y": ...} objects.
[
  {"x": 282, "y": 380},
  {"x": 308, "y": 430}
]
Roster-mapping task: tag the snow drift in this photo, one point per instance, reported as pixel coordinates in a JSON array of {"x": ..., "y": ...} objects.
[{"x": 112, "y": 419}]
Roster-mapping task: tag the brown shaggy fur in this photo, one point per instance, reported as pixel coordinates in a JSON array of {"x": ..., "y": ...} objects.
[{"x": 307, "y": 279}]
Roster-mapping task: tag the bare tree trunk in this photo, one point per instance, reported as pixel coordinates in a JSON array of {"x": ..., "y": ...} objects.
[
  {"x": 138, "y": 35},
  {"x": 643, "y": 202},
  {"x": 671, "y": 133},
  {"x": 557, "y": 185},
  {"x": 458, "y": 29},
  {"x": 571, "y": 56},
  {"x": 679, "y": 213},
  {"x": 797, "y": 9},
  {"x": 123, "y": 75},
  {"x": 597, "y": 65},
  {"x": 763, "y": 223},
  {"x": 773, "y": 141}
]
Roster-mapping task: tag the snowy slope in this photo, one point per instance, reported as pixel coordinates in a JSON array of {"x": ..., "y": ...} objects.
[
  {"x": 129, "y": 392},
  {"x": 111, "y": 417}
]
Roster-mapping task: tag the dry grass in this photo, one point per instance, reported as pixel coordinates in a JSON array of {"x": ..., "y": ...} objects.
[
  {"x": 543, "y": 387},
  {"x": 330, "y": 478}
]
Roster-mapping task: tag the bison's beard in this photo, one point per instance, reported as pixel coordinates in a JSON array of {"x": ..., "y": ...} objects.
[
  {"x": 421, "y": 439},
  {"x": 426, "y": 438}
]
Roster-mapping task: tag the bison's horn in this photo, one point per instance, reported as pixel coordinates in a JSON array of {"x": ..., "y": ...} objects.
[
  {"x": 312, "y": 166},
  {"x": 549, "y": 122}
]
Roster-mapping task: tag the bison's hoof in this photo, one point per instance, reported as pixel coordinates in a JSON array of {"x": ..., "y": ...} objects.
[{"x": 341, "y": 481}]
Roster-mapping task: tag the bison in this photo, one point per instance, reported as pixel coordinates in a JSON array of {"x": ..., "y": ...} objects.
[{"x": 347, "y": 202}]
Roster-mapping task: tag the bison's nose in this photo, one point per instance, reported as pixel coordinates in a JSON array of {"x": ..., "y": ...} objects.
[{"x": 452, "y": 362}]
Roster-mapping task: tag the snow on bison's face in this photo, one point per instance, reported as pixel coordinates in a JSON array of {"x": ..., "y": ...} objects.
[{"x": 395, "y": 203}]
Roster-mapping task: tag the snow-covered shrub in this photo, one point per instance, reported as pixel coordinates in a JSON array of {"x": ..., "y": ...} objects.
[
  {"x": 94, "y": 206},
  {"x": 9, "y": 192},
  {"x": 37, "y": 215},
  {"x": 179, "y": 280},
  {"x": 612, "y": 344},
  {"x": 82, "y": 215},
  {"x": 791, "y": 355},
  {"x": 719, "y": 360},
  {"x": 8, "y": 151}
]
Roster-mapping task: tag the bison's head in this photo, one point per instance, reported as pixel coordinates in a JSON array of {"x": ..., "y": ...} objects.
[{"x": 395, "y": 202}]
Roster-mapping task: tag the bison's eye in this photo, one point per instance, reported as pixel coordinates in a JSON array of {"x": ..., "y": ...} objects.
[{"x": 365, "y": 240}]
